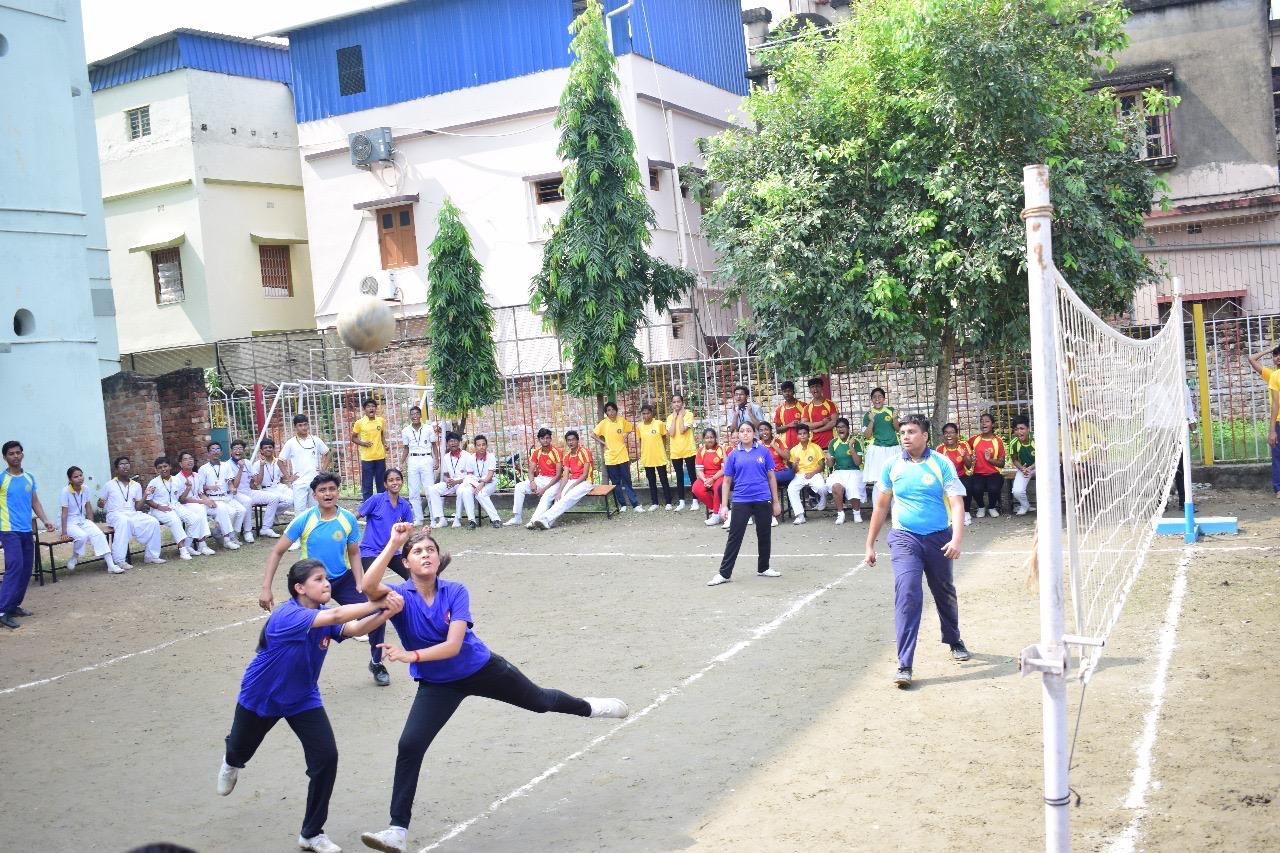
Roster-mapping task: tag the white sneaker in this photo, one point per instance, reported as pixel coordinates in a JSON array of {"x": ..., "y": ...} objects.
[
  {"x": 71, "y": 563},
  {"x": 667, "y": 507},
  {"x": 123, "y": 565},
  {"x": 857, "y": 516},
  {"x": 713, "y": 519},
  {"x": 982, "y": 512},
  {"x": 230, "y": 544},
  {"x": 183, "y": 553},
  {"x": 840, "y": 517},
  {"x": 751, "y": 521},
  {"x": 822, "y": 503},
  {"x": 968, "y": 519},
  {"x": 294, "y": 547},
  {"x": 694, "y": 506},
  {"x": 679, "y": 507},
  {"x": 390, "y": 840},
  {"x": 1022, "y": 510},
  {"x": 456, "y": 523},
  {"x": 769, "y": 573},
  {"x": 773, "y": 522},
  {"x": 540, "y": 524},
  {"x": 247, "y": 537},
  {"x": 269, "y": 533},
  {"x": 614, "y": 708},
  {"x": 717, "y": 579},
  {"x": 209, "y": 552},
  {"x": 727, "y": 522},
  {"x": 319, "y": 843},
  {"x": 512, "y": 521},
  {"x": 622, "y": 507},
  {"x": 227, "y": 777},
  {"x": 654, "y": 507},
  {"x": 993, "y": 512},
  {"x": 155, "y": 561},
  {"x": 113, "y": 569},
  {"x": 799, "y": 519},
  {"x": 640, "y": 509}
]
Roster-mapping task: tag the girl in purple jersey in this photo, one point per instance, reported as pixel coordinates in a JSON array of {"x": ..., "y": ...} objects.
[
  {"x": 450, "y": 663},
  {"x": 281, "y": 683}
]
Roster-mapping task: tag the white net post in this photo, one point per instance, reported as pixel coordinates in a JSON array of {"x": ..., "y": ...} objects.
[{"x": 1050, "y": 657}]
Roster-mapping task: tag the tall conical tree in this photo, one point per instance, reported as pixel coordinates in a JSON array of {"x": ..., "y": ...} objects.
[
  {"x": 461, "y": 359},
  {"x": 597, "y": 275}
]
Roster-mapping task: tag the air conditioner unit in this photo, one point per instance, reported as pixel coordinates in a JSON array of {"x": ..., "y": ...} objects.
[
  {"x": 381, "y": 284},
  {"x": 371, "y": 146}
]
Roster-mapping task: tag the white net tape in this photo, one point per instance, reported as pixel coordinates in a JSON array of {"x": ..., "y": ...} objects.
[{"x": 1122, "y": 408}]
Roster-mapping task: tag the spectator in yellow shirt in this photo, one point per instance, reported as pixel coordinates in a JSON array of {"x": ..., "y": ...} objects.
[
  {"x": 1270, "y": 375},
  {"x": 367, "y": 434},
  {"x": 651, "y": 434},
  {"x": 612, "y": 435},
  {"x": 684, "y": 449},
  {"x": 808, "y": 460}
]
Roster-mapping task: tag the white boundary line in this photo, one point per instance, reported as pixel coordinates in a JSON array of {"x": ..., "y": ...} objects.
[
  {"x": 1145, "y": 744},
  {"x": 988, "y": 552},
  {"x": 92, "y": 667},
  {"x": 757, "y": 633}
]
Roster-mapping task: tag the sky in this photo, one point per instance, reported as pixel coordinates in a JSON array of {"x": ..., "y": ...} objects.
[{"x": 114, "y": 25}]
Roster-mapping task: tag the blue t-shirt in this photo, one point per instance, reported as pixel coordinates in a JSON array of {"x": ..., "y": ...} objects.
[
  {"x": 15, "y": 502},
  {"x": 381, "y": 516},
  {"x": 920, "y": 491},
  {"x": 325, "y": 541},
  {"x": 281, "y": 680},
  {"x": 750, "y": 472},
  {"x": 421, "y": 625}
]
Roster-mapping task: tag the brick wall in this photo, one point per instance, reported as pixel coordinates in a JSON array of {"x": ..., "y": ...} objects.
[
  {"x": 184, "y": 411},
  {"x": 149, "y": 417}
]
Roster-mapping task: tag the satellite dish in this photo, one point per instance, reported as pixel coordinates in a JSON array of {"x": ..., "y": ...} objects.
[{"x": 369, "y": 286}]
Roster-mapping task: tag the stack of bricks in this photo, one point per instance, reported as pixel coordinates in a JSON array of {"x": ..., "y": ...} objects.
[{"x": 133, "y": 419}]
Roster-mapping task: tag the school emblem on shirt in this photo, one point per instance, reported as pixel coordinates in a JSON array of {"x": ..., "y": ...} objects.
[
  {"x": 324, "y": 641},
  {"x": 927, "y": 479},
  {"x": 337, "y": 536}
]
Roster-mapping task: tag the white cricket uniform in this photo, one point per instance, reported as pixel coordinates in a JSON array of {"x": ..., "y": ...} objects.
[
  {"x": 568, "y": 500},
  {"x": 215, "y": 481},
  {"x": 471, "y": 489},
  {"x": 80, "y": 526},
  {"x": 420, "y": 442},
  {"x": 455, "y": 468},
  {"x": 272, "y": 484},
  {"x": 166, "y": 493},
  {"x": 304, "y": 458},
  {"x": 128, "y": 522},
  {"x": 814, "y": 481},
  {"x": 250, "y": 497},
  {"x": 194, "y": 517}
]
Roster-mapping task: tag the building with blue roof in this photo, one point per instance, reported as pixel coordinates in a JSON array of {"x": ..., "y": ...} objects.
[{"x": 202, "y": 187}]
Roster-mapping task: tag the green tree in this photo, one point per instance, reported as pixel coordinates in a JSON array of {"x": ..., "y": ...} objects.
[
  {"x": 597, "y": 275},
  {"x": 463, "y": 363},
  {"x": 873, "y": 210}
]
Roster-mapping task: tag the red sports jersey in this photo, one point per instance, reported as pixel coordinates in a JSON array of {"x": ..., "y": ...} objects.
[
  {"x": 579, "y": 464},
  {"x": 956, "y": 455},
  {"x": 711, "y": 461},
  {"x": 978, "y": 444},
  {"x": 543, "y": 463},
  {"x": 815, "y": 412},
  {"x": 781, "y": 453},
  {"x": 785, "y": 415}
]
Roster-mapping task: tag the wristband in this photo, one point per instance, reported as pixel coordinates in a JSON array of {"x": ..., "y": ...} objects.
[{"x": 417, "y": 659}]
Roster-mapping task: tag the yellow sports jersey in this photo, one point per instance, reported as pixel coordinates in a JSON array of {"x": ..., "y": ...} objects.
[
  {"x": 807, "y": 458},
  {"x": 653, "y": 453},
  {"x": 683, "y": 445},
  {"x": 371, "y": 430},
  {"x": 614, "y": 432},
  {"x": 1273, "y": 385}
]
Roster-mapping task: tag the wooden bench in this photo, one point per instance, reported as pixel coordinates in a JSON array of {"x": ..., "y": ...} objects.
[{"x": 604, "y": 491}]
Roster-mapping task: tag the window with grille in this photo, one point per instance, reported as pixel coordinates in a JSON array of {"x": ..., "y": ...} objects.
[
  {"x": 549, "y": 190},
  {"x": 350, "y": 70},
  {"x": 277, "y": 275},
  {"x": 655, "y": 180},
  {"x": 397, "y": 237},
  {"x": 166, "y": 269},
  {"x": 1156, "y": 142},
  {"x": 1275, "y": 102},
  {"x": 139, "y": 121}
]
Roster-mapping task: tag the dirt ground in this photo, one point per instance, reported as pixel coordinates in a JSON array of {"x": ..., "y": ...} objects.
[{"x": 764, "y": 718}]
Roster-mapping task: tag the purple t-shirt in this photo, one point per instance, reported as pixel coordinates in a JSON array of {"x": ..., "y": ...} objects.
[
  {"x": 750, "y": 472},
  {"x": 421, "y": 625},
  {"x": 381, "y": 516},
  {"x": 281, "y": 680}
]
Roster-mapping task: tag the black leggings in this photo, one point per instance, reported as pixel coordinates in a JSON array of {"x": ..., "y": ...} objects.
[
  {"x": 318, "y": 746},
  {"x": 654, "y": 474},
  {"x": 687, "y": 463},
  {"x": 762, "y": 512},
  {"x": 985, "y": 484},
  {"x": 396, "y": 565},
  {"x": 435, "y": 703}
]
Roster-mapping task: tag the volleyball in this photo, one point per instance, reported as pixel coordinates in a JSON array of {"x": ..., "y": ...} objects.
[{"x": 367, "y": 326}]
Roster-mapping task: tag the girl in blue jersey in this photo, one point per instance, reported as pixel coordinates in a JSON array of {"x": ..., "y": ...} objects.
[
  {"x": 281, "y": 683},
  {"x": 450, "y": 663}
]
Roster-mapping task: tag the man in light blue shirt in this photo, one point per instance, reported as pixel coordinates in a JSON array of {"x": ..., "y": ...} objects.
[{"x": 927, "y": 499}]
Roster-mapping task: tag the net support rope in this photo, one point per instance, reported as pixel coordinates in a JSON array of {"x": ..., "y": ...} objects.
[{"x": 1122, "y": 414}]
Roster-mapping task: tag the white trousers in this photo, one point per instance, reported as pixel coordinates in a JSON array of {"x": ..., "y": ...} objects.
[
  {"x": 525, "y": 488},
  {"x": 195, "y": 520},
  {"x": 172, "y": 519},
  {"x": 258, "y": 497},
  {"x": 873, "y": 463},
  {"x": 131, "y": 524},
  {"x": 422, "y": 476},
  {"x": 1020, "y": 483},
  {"x": 471, "y": 491},
  {"x": 850, "y": 479},
  {"x": 436, "y": 495},
  {"x": 84, "y": 532},
  {"x": 568, "y": 500},
  {"x": 302, "y": 496},
  {"x": 813, "y": 481},
  {"x": 227, "y": 513}
]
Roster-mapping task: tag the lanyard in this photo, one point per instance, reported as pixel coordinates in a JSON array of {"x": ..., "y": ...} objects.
[
  {"x": 81, "y": 500},
  {"x": 454, "y": 462},
  {"x": 124, "y": 492}
]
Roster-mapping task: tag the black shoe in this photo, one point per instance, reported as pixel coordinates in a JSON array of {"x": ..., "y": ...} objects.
[
  {"x": 8, "y": 621},
  {"x": 495, "y": 524},
  {"x": 959, "y": 653},
  {"x": 20, "y": 611},
  {"x": 380, "y": 675},
  {"x": 471, "y": 525},
  {"x": 903, "y": 679}
]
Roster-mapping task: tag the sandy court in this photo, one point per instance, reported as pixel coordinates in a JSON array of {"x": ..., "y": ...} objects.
[{"x": 765, "y": 715}]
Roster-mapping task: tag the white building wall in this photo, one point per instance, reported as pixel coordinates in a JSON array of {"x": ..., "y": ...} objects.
[{"x": 50, "y": 374}]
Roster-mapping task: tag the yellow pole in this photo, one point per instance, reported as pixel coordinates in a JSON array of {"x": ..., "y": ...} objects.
[{"x": 1202, "y": 375}]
